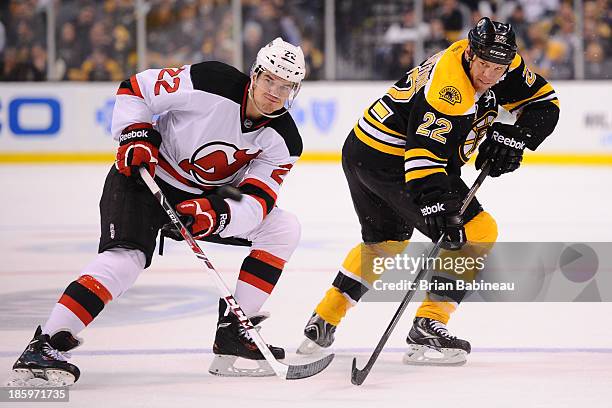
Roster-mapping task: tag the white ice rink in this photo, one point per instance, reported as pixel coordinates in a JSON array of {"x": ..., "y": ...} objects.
[{"x": 152, "y": 347}]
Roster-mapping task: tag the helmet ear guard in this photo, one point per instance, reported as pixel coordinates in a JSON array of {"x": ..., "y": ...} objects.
[{"x": 493, "y": 41}]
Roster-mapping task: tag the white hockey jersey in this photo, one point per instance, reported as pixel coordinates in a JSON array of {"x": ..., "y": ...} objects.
[{"x": 207, "y": 140}]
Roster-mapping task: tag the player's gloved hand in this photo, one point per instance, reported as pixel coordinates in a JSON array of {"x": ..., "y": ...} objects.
[
  {"x": 138, "y": 146},
  {"x": 442, "y": 217},
  {"x": 208, "y": 215},
  {"x": 503, "y": 147}
]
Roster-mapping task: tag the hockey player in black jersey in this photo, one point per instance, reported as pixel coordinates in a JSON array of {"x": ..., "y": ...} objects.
[
  {"x": 403, "y": 160},
  {"x": 217, "y": 127}
]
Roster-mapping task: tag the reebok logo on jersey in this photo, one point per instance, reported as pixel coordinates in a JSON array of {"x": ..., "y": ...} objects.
[
  {"x": 134, "y": 134},
  {"x": 508, "y": 141},
  {"x": 432, "y": 209}
]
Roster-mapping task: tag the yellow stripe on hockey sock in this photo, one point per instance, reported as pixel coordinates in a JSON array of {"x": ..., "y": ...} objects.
[
  {"x": 333, "y": 306},
  {"x": 481, "y": 228},
  {"x": 439, "y": 311},
  {"x": 360, "y": 259},
  {"x": 358, "y": 265},
  {"x": 481, "y": 233}
]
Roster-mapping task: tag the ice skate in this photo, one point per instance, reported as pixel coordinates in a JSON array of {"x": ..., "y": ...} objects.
[
  {"x": 429, "y": 343},
  {"x": 319, "y": 335},
  {"x": 233, "y": 344},
  {"x": 44, "y": 363}
]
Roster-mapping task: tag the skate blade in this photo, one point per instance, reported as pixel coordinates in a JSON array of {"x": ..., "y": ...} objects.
[
  {"x": 309, "y": 347},
  {"x": 23, "y": 377},
  {"x": 223, "y": 366},
  {"x": 424, "y": 355}
]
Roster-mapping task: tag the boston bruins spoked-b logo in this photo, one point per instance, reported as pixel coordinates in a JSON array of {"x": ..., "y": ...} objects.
[
  {"x": 217, "y": 163},
  {"x": 450, "y": 94}
]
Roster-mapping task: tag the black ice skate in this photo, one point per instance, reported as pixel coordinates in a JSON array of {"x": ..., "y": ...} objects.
[
  {"x": 44, "y": 363},
  {"x": 233, "y": 342},
  {"x": 319, "y": 335},
  {"x": 429, "y": 335}
]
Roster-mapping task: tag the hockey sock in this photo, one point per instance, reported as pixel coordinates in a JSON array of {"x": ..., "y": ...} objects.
[
  {"x": 333, "y": 306},
  {"x": 437, "y": 310},
  {"x": 258, "y": 275},
  {"x": 355, "y": 278},
  {"x": 481, "y": 233},
  {"x": 80, "y": 303}
]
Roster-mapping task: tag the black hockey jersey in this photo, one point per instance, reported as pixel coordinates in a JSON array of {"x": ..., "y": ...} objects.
[
  {"x": 432, "y": 120},
  {"x": 207, "y": 140}
]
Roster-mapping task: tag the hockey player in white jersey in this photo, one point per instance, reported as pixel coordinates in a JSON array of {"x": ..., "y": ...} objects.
[{"x": 216, "y": 127}]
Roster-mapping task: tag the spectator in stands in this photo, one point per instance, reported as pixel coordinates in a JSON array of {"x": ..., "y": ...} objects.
[
  {"x": 100, "y": 67},
  {"x": 187, "y": 34},
  {"x": 69, "y": 55},
  {"x": 535, "y": 53},
  {"x": 84, "y": 23},
  {"x": 436, "y": 40},
  {"x": 314, "y": 59},
  {"x": 25, "y": 64},
  {"x": 183, "y": 31},
  {"x": 252, "y": 42},
  {"x": 519, "y": 23},
  {"x": 402, "y": 60},
  {"x": 452, "y": 18},
  {"x": 535, "y": 10},
  {"x": 10, "y": 66},
  {"x": 596, "y": 65}
]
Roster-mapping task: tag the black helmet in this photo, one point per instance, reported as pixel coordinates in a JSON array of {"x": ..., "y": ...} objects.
[{"x": 493, "y": 41}]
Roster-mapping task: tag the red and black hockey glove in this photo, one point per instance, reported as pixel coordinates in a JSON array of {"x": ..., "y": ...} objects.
[
  {"x": 208, "y": 215},
  {"x": 503, "y": 147},
  {"x": 441, "y": 212},
  {"x": 138, "y": 146}
]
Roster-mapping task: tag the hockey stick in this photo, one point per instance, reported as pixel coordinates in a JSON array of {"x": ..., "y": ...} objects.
[
  {"x": 284, "y": 371},
  {"x": 358, "y": 376}
]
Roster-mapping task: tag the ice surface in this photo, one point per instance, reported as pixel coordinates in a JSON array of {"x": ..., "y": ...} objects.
[{"x": 151, "y": 348}]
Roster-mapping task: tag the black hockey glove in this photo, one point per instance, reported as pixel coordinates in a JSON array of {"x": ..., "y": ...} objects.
[
  {"x": 503, "y": 147},
  {"x": 442, "y": 217}
]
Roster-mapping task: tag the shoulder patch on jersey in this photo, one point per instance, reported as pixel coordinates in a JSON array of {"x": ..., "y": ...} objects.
[
  {"x": 287, "y": 129},
  {"x": 220, "y": 79},
  {"x": 449, "y": 89},
  {"x": 450, "y": 94}
]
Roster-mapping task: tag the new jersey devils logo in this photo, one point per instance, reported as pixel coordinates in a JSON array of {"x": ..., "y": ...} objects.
[{"x": 217, "y": 163}]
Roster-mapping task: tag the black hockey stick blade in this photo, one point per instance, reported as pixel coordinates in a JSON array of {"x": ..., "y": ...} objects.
[
  {"x": 297, "y": 372},
  {"x": 358, "y": 376}
]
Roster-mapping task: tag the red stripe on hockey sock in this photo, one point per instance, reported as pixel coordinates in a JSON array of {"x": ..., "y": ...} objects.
[
  {"x": 268, "y": 258},
  {"x": 255, "y": 281},
  {"x": 78, "y": 310},
  {"x": 96, "y": 288},
  {"x": 135, "y": 86}
]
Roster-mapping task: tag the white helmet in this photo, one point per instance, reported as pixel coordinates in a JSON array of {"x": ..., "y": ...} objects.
[{"x": 282, "y": 59}]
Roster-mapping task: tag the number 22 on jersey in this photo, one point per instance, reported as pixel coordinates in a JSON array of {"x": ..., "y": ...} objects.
[
  {"x": 161, "y": 82},
  {"x": 436, "y": 133}
]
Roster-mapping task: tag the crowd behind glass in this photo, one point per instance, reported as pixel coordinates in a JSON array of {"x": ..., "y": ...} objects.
[{"x": 96, "y": 40}]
